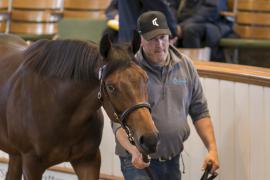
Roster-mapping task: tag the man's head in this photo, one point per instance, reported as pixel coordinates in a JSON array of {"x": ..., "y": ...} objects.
[
  {"x": 154, "y": 30},
  {"x": 151, "y": 24}
]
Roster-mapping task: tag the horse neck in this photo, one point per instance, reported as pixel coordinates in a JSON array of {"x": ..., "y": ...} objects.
[{"x": 87, "y": 107}]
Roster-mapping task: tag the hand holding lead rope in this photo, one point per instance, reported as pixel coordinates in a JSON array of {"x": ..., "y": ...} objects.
[{"x": 207, "y": 172}]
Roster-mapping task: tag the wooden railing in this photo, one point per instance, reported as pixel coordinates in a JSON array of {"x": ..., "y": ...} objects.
[{"x": 235, "y": 73}]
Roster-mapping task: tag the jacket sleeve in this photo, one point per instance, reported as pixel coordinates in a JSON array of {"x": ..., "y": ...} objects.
[{"x": 198, "y": 108}]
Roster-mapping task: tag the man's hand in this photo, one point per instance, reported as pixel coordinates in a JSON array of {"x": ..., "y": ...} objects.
[
  {"x": 179, "y": 31},
  {"x": 212, "y": 158},
  {"x": 178, "y": 35},
  {"x": 173, "y": 41},
  {"x": 137, "y": 159}
]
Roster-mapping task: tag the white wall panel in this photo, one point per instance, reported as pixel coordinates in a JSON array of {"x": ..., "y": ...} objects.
[
  {"x": 257, "y": 135},
  {"x": 107, "y": 147},
  {"x": 211, "y": 90},
  {"x": 110, "y": 163},
  {"x": 226, "y": 130},
  {"x": 267, "y": 131},
  {"x": 242, "y": 131}
]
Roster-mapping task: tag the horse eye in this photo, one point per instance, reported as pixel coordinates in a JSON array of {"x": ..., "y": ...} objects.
[{"x": 110, "y": 88}]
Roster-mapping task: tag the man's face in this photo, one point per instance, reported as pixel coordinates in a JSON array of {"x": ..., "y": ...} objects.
[{"x": 156, "y": 49}]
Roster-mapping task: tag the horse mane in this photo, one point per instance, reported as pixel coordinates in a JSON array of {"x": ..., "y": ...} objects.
[
  {"x": 75, "y": 59},
  {"x": 65, "y": 59}
]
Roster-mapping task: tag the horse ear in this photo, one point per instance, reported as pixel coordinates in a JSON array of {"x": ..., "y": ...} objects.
[
  {"x": 105, "y": 45},
  {"x": 136, "y": 42}
]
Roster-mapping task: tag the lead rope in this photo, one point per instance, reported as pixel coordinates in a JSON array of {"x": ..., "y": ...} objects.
[
  {"x": 148, "y": 172},
  {"x": 183, "y": 163},
  {"x": 146, "y": 169}
]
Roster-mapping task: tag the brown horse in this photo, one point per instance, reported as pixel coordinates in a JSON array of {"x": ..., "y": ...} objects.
[{"x": 50, "y": 103}]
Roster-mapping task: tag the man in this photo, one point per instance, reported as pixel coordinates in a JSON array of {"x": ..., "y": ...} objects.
[
  {"x": 174, "y": 91},
  {"x": 200, "y": 23}
]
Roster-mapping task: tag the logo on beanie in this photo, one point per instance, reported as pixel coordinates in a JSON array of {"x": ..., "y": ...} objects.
[{"x": 154, "y": 22}]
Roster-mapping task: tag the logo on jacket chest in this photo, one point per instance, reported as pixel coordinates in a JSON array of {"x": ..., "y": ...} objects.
[{"x": 179, "y": 81}]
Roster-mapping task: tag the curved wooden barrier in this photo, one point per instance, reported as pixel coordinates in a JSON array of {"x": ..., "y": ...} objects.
[{"x": 236, "y": 73}]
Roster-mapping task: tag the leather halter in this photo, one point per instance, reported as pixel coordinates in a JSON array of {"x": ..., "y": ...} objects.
[{"x": 121, "y": 117}]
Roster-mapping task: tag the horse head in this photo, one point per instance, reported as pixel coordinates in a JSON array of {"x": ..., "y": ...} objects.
[{"x": 123, "y": 90}]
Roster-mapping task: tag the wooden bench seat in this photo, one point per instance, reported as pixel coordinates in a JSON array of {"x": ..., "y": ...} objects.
[
  {"x": 85, "y": 9},
  {"x": 253, "y": 19},
  {"x": 3, "y": 15},
  {"x": 37, "y": 4},
  {"x": 3, "y": 23},
  {"x": 40, "y": 16},
  {"x": 33, "y": 20}
]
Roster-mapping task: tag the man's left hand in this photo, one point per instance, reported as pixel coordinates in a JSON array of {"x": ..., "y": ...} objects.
[{"x": 212, "y": 158}]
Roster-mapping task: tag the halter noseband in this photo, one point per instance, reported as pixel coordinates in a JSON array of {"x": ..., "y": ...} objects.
[{"x": 121, "y": 117}]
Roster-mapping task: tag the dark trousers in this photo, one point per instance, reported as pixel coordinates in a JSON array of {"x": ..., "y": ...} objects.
[
  {"x": 198, "y": 35},
  {"x": 167, "y": 170}
]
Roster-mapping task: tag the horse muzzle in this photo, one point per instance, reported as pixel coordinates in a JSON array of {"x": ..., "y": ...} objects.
[{"x": 147, "y": 143}]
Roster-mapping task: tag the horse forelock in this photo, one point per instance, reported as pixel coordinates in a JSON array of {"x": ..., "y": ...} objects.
[{"x": 65, "y": 59}]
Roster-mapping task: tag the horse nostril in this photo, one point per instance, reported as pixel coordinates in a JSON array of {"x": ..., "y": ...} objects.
[{"x": 149, "y": 143}]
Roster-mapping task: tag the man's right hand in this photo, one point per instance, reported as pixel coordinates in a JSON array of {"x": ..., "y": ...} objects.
[{"x": 137, "y": 159}]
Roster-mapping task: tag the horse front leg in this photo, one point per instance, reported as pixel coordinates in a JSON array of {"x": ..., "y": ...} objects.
[
  {"x": 14, "y": 167},
  {"x": 32, "y": 168},
  {"x": 87, "y": 168}
]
